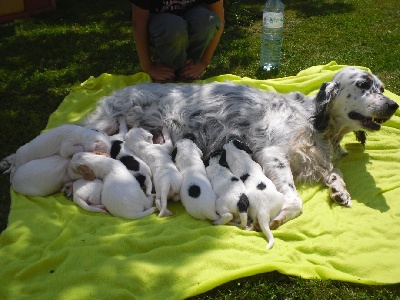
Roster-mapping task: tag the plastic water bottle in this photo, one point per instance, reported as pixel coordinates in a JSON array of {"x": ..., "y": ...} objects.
[{"x": 271, "y": 44}]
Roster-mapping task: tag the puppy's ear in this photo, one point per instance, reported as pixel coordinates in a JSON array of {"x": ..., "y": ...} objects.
[
  {"x": 361, "y": 136},
  {"x": 85, "y": 172},
  {"x": 326, "y": 94},
  {"x": 242, "y": 146},
  {"x": 222, "y": 160},
  {"x": 174, "y": 153}
]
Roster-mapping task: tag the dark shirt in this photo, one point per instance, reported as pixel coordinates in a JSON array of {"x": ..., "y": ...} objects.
[{"x": 170, "y": 6}]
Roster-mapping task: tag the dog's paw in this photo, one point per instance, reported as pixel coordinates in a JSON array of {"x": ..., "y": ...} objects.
[
  {"x": 274, "y": 224},
  {"x": 165, "y": 213},
  {"x": 338, "y": 191}
]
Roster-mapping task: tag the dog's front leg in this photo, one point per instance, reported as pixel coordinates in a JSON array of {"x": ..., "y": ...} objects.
[
  {"x": 337, "y": 188},
  {"x": 277, "y": 168}
]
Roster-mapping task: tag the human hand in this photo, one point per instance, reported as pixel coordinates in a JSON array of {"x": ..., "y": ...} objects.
[
  {"x": 160, "y": 72},
  {"x": 192, "y": 71}
]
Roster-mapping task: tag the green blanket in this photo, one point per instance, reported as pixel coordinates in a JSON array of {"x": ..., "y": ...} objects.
[{"x": 52, "y": 249}]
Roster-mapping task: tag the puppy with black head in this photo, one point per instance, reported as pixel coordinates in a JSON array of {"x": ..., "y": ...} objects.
[
  {"x": 232, "y": 202},
  {"x": 265, "y": 201}
]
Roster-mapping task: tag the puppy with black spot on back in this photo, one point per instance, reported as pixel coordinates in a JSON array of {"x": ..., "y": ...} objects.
[
  {"x": 121, "y": 193},
  {"x": 265, "y": 201},
  {"x": 123, "y": 151},
  {"x": 197, "y": 195},
  {"x": 232, "y": 202}
]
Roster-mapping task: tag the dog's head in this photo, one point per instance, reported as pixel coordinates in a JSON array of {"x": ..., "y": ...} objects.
[
  {"x": 80, "y": 164},
  {"x": 353, "y": 101},
  {"x": 241, "y": 146},
  {"x": 97, "y": 141},
  {"x": 137, "y": 134}
]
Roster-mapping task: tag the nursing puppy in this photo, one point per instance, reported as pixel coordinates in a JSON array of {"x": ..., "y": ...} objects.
[
  {"x": 166, "y": 177},
  {"x": 265, "y": 201},
  {"x": 232, "y": 202},
  {"x": 86, "y": 194},
  {"x": 121, "y": 194},
  {"x": 120, "y": 151},
  {"x": 65, "y": 141},
  {"x": 197, "y": 195},
  {"x": 43, "y": 176}
]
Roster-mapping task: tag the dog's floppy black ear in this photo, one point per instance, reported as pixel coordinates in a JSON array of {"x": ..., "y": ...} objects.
[
  {"x": 242, "y": 146},
  {"x": 326, "y": 94},
  {"x": 115, "y": 148},
  {"x": 361, "y": 136},
  {"x": 222, "y": 160},
  {"x": 173, "y": 154}
]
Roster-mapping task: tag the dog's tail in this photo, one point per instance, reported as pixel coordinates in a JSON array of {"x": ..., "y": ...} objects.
[
  {"x": 263, "y": 221},
  {"x": 7, "y": 163}
]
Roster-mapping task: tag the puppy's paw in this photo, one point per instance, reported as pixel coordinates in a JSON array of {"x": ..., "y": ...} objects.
[
  {"x": 165, "y": 213},
  {"x": 274, "y": 224}
]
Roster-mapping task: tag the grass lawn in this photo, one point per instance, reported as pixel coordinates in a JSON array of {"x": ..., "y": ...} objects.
[{"x": 42, "y": 58}]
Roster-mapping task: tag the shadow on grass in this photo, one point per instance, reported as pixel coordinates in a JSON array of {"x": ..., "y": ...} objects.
[{"x": 310, "y": 8}]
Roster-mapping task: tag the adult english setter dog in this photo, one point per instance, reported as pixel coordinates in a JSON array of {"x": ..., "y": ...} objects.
[{"x": 293, "y": 137}]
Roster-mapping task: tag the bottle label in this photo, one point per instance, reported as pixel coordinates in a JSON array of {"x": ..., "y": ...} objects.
[{"x": 273, "y": 19}]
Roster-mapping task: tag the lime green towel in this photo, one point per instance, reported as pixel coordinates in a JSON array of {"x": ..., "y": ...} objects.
[{"x": 52, "y": 249}]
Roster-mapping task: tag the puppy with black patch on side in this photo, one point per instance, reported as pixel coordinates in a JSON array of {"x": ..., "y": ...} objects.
[
  {"x": 123, "y": 152},
  {"x": 166, "y": 177},
  {"x": 197, "y": 195},
  {"x": 232, "y": 202},
  {"x": 121, "y": 193},
  {"x": 86, "y": 194},
  {"x": 265, "y": 201}
]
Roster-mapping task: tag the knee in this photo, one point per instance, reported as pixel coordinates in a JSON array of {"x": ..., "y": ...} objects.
[{"x": 174, "y": 33}]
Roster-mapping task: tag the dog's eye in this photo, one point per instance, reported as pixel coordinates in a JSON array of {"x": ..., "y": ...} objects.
[{"x": 364, "y": 84}]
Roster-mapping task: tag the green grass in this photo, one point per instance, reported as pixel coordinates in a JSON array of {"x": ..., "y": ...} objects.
[{"x": 42, "y": 58}]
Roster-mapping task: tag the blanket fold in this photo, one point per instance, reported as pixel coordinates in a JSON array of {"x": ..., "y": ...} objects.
[{"x": 52, "y": 249}]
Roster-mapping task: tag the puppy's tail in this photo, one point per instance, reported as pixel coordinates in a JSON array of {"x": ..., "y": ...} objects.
[
  {"x": 7, "y": 163},
  {"x": 264, "y": 224}
]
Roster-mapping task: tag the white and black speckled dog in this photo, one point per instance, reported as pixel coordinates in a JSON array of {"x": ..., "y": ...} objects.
[
  {"x": 265, "y": 202},
  {"x": 293, "y": 137},
  {"x": 121, "y": 193},
  {"x": 232, "y": 202},
  {"x": 167, "y": 179},
  {"x": 197, "y": 195},
  {"x": 122, "y": 151}
]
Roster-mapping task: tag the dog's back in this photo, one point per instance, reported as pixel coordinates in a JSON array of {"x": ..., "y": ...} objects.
[{"x": 196, "y": 192}]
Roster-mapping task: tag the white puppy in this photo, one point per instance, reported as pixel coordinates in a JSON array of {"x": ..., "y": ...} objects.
[
  {"x": 167, "y": 179},
  {"x": 65, "y": 141},
  {"x": 86, "y": 194},
  {"x": 196, "y": 192},
  {"x": 232, "y": 202},
  {"x": 121, "y": 194},
  {"x": 132, "y": 162},
  {"x": 43, "y": 176},
  {"x": 265, "y": 200}
]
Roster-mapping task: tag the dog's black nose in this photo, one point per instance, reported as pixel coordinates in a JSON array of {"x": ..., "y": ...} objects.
[{"x": 393, "y": 106}]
